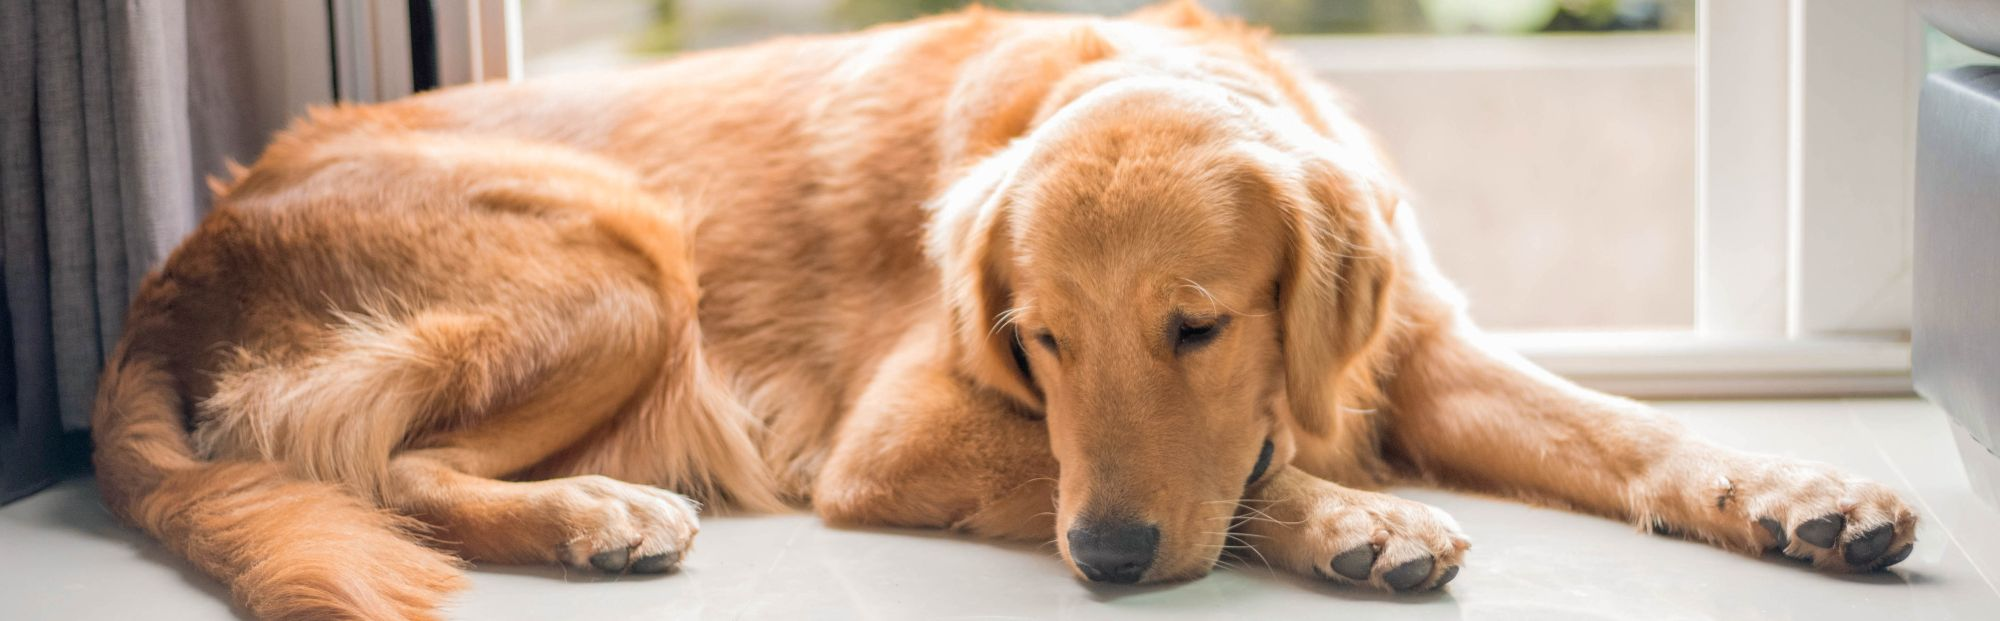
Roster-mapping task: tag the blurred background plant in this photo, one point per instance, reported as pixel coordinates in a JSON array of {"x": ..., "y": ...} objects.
[{"x": 665, "y": 26}]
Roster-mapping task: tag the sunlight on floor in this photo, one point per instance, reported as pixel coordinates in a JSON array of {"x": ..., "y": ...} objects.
[{"x": 61, "y": 557}]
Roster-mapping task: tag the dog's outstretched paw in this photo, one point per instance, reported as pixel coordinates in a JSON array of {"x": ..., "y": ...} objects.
[
  {"x": 619, "y": 527},
  {"x": 1805, "y": 510},
  {"x": 1813, "y": 513}
]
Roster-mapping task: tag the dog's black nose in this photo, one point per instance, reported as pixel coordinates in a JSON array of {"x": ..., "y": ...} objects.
[{"x": 1116, "y": 552}]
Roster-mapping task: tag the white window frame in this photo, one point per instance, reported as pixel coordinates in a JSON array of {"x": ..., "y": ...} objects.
[
  {"x": 1803, "y": 269},
  {"x": 1785, "y": 86}
]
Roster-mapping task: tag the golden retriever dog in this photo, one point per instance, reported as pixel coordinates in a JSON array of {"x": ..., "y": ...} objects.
[{"x": 1135, "y": 285}]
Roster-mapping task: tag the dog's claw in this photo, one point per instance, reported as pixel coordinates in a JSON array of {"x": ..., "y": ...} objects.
[
  {"x": 611, "y": 560},
  {"x": 1870, "y": 545},
  {"x": 1408, "y": 575},
  {"x": 1822, "y": 531},
  {"x": 1354, "y": 564}
]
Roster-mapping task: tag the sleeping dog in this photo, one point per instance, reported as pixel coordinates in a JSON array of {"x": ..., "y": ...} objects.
[{"x": 1137, "y": 285}]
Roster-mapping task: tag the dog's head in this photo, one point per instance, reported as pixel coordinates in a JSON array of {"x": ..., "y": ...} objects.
[{"x": 1174, "y": 278}]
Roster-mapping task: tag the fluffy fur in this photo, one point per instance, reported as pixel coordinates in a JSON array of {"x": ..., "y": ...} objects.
[{"x": 936, "y": 274}]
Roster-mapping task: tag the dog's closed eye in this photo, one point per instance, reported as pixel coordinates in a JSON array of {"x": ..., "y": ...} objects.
[
  {"x": 1192, "y": 333},
  {"x": 1048, "y": 341}
]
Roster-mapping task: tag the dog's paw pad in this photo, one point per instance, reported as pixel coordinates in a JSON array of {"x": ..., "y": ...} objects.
[
  {"x": 1777, "y": 532},
  {"x": 611, "y": 560},
  {"x": 1356, "y": 563},
  {"x": 1870, "y": 545},
  {"x": 1822, "y": 531},
  {"x": 657, "y": 564},
  {"x": 1410, "y": 574}
]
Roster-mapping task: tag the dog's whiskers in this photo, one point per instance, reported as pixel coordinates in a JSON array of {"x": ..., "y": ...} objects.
[
  {"x": 1055, "y": 553},
  {"x": 1260, "y": 554},
  {"x": 1259, "y": 514},
  {"x": 1266, "y": 518},
  {"x": 1249, "y": 519},
  {"x": 1212, "y": 301},
  {"x": 1246, "y": 502},
  {"x": 1231, "y": 547},
  {"x": 1006, "y": 319}
]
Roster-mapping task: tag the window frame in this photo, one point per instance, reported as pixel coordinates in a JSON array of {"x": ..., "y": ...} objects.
[
  {"x": 1783, "y": 86},
  {"x": 1843, "y": 64}
]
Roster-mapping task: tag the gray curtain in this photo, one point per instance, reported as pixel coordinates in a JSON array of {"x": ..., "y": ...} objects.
[{"x": 101, "y": 156}]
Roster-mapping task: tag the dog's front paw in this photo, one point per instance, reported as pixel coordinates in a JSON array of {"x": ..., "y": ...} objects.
[
  {"x": 1808, "y": 511},
  {"x": 619, "y": 527},
  {"x": 1811, "y": 511},
  {"x": 1361, "y": 538}
]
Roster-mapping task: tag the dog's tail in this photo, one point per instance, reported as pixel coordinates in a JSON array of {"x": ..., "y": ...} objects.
[{"x": 288, "y": 548}]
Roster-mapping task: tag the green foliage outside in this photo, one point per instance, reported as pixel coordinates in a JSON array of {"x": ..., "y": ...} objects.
[{"x": 670, "y": 27}]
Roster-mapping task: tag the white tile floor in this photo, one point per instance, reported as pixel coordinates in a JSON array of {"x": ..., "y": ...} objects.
[{"x": 62, "y": 557}]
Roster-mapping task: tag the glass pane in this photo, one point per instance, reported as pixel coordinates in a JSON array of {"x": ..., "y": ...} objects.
[{"x": 1550, "y": 143}]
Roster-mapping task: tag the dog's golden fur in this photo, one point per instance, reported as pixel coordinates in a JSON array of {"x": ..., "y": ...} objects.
[{"x": 1015, "y": 275}]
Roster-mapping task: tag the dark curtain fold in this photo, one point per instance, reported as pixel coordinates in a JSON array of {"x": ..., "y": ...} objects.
[{"x": 99, "y": 181}]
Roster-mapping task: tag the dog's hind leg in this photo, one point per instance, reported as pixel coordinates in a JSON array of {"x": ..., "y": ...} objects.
[
  {"x": 582, "y": 379},
  {"x": 609, "y": 346},
  {"x": 558, "y": 373},
  {"x": 582, "y": 521}
]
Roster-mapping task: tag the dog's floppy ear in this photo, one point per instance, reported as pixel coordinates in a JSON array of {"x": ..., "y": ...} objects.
[
  {"x": 1335, "y": 294},
  {"x": 971, "y": 242}
]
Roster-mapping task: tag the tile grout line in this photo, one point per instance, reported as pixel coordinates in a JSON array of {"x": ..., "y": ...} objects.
[{"x": 772, "y": 568}]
